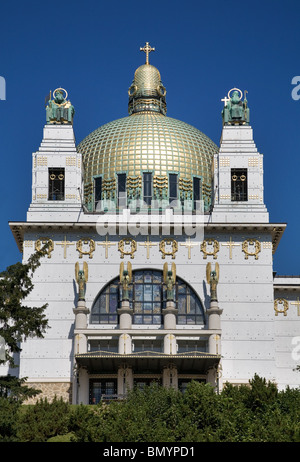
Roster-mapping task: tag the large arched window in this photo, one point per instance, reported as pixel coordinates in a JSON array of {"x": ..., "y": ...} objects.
[{"x": 147, "y": 297}]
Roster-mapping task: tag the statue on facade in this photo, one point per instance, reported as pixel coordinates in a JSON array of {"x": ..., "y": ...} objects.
[
  {"x": 170, "y": 280},
  {"x": 235, "y": 110},
  {"x": 212, "y": 277},
  {"x": 59, "y": 110},
  {"x": 125, "y": 279},
  {"x": 81, "y": 277}
]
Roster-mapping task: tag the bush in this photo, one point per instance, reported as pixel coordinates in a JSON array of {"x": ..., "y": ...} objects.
[
  {"x": 44, "y": 420},
  {"x": 9, "y": 411}
]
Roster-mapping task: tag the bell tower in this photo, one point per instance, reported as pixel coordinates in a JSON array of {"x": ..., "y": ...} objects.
[
  {"x": 56, "y": 166},
  {"x": 238, "y": 194}
]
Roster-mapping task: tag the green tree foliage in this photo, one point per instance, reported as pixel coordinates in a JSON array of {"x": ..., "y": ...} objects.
[
  {"x": 18, "y": 321},
  {"x": 257, "y": 412},
  {"x": 9, "y": 411},
  {"x": 15, "y": 388},
  {"x": 43, "y": 421}
]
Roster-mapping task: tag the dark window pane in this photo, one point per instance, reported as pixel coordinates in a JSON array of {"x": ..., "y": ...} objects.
[
  {"x": 122, "y": 190},
  {"x": 172, "y": 187},
  {"x": 56, "y": 184},
  {"x": 97, "y": 191},
  {"x": 196, "y": 190},
  {"x": 239, "y": 187},
  {"x": 147, "y": 177}
]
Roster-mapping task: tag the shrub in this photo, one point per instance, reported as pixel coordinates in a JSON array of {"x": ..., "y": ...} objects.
[{"x": 44, "y": 420}]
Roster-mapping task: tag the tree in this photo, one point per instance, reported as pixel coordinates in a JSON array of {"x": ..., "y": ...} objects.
[{"x": 18, "y": 321}]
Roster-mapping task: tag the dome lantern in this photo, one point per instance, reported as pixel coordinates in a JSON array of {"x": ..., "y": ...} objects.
[{"x": 147, "y": 92}]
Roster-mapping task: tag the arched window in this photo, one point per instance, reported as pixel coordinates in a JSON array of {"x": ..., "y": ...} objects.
[{"x": 147, "y": 298}]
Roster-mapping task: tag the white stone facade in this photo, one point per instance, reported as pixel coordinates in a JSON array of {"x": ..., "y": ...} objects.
[{"x": 243, "y": 332}]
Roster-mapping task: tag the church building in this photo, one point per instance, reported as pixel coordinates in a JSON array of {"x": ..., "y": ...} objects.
[{"x": 160, "y": 258}]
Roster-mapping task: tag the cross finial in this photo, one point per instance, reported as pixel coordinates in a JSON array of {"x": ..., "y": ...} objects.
[{"x": 147, "y": 49}]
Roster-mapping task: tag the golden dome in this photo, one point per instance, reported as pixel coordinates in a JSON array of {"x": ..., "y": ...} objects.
[{"x": 147, "y": 141}]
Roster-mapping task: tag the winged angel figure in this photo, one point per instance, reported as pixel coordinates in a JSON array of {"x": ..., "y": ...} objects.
[
  {"x": 212, "y": 277},
  {"x": 125, "y": 279},
  {"x": 81, "y": 276},
  {"x": 170, "y": 280}
]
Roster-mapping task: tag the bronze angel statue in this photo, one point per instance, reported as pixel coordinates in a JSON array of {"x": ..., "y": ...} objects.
[
  {"x": 170, "y": 280},
  {"x": 212, "y": 277},
  {"x": 125, "y": 279},
  {"x": 81, "y": 276}
]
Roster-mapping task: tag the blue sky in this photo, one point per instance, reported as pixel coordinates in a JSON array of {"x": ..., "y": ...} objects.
[{"x": 203, "y": 49}]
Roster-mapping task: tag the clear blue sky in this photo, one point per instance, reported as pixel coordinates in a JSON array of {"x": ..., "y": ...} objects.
[{"x": 203, "y": 49}]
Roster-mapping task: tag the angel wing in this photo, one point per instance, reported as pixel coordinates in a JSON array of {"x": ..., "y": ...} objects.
[
  {"x": 217, "y": 268},
  {"x": 121, "y": 271},
  {"x": 174, "y": 271},
  {"x": 76, "y": 271},
  {"x": 129, "y": 269},
  {"x": 208, "y": 271},
  {"x": 165, "y": 273},
  {"x": 86, "y": 271}
]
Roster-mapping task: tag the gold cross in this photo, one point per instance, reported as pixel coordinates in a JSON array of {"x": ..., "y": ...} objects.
[
  {"x": 147, "y": 49},
  {"x": 189, "y": 245},
  {"x": 106, "y": 244},
  {"x": 65, "y": 244},
  {"x": 297, "y": 303},
  {"x": 148, "y": 244},
  {"x": 230, "y": 244}
]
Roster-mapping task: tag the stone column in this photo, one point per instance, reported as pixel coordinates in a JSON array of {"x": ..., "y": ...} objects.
[
  {"x": 214, "y": 342},
  {"x": 214, "y": 323},
  {"x": 125, "y": 380},
  {"x": 125, "y": 346},
  {"x": 170, "y": 377},
  {"x": 170, "y": 313},
  {"x": 170, "y": 346},
  {"x": 81, "y": 312},
  {"x": 83, "y": 386},
  {"x": 125, "y": 313}
]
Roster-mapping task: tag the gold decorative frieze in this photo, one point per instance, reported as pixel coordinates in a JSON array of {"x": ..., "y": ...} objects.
[
  {"x": 189, "y": 244},
  {"x": 86, "y": 242},
  {"x": 214, "y": 246},
  {"x": 224, "y": 162},
  {"x": 255, "y": 244},
  {"x": 160, "y": 186},
  {"x": 230, "y": 244},
  {"x": 283, "y": 303},
  {"x": 185, "y": 184},
  {"x": 41, "y": 242},
  {"x": 42, "y": 161},
  {"x": 127, "y": 246},
  {"x": 297, "y": 304},
  {"x": 106, "y": 244},
  {"x": 172, "y": 247},
  {"x": 267, "y": 245},
  {"x": 70, "y": 161},
  {"x": 253, "y": 162},
  {"x": 148, "y": 244},
  {"x": 65, "y": 245}
]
